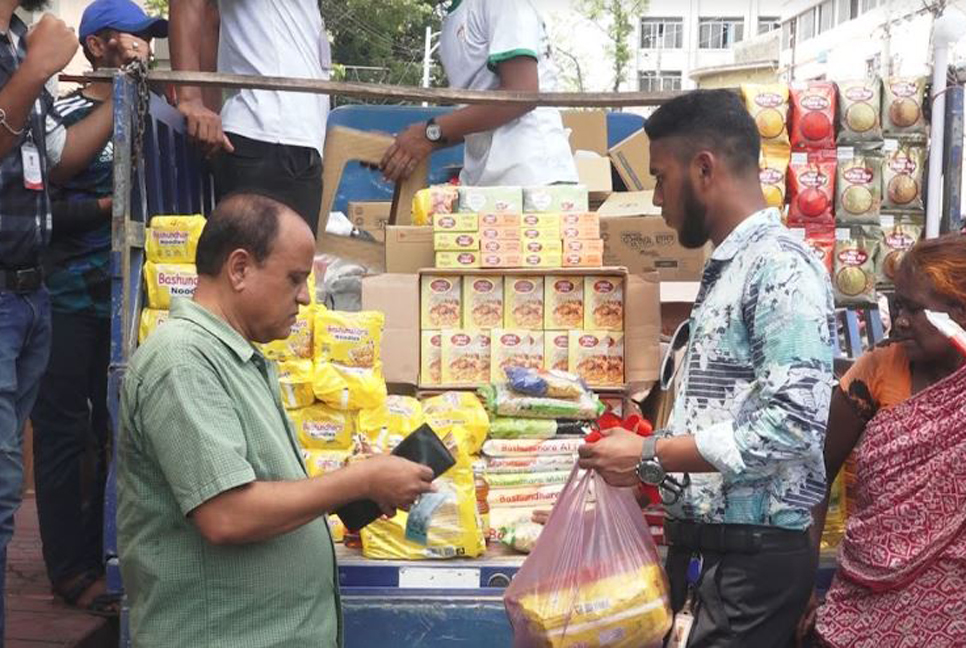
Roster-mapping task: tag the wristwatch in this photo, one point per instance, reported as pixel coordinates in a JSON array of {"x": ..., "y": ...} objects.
[
  {"x": 433, "y": 132},
  {"x": 649, "y": 470}
]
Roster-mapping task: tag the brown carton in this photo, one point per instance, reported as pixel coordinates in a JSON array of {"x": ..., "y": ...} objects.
[
  {"x": 588, "y": 129},
  {"x": 371, "y": 217},
  {"x": 408, "y": 248},
  {"x": 632, "y": 159}
]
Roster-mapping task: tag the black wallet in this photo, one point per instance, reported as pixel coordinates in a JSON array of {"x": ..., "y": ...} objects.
[{"x": 423, "y": 447}]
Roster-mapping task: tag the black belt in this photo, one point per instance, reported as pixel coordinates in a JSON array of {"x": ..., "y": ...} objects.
[
  {"x": 732, "y": 538},
  {"x": 22, "y": 280}
]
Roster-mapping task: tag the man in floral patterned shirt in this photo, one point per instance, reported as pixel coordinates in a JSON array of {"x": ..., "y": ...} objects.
[{"x": 741, "y": 464}]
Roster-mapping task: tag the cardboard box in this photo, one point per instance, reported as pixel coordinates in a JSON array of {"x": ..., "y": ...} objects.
[
  {"x": 632, "y": 159},
  {"x": 371, "y": 217},
  {"x": 455, "y": 241},
  {"x": 635, "y": 236},
  {"x": 555, "y": 199},
  {"x": 500, "y": 234},
  {"x": 369, "y": 254},
  {"x": 455, "y": 222},
  {"x": 594, "y": 173},
  {"x": 588, "y": 130},
  {"x": 458, "y": 259},
  {"x": 491, "y": 200},
  {"x": 496, "y": 246},
  {"x": 397, "y": 295},
  {"x": 408, "y": 248}
]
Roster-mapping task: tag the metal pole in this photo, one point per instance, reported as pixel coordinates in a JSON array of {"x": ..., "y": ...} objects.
[
  {"x": 934, "y": 197},
  {"x": 952, "y": 217},
  {"x": 427, "y": 57}
]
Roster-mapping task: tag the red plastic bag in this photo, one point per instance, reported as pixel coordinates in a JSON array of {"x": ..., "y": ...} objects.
[
  {"x": 593, "y": 579},
  {"x": 639, "y": 426}
]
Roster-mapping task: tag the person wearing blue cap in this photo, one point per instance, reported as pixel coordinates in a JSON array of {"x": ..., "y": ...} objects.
[{"x": 70, "y": 417}]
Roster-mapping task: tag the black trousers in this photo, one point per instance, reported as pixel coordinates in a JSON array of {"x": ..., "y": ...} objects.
[
  {"x": 71, "y": 430},
  {"x": 745, "y": 600},
  {"x": 290, "y": 174}
]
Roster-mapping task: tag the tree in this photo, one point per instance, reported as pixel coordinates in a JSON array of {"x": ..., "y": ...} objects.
[{"x": 617, "y": 19}]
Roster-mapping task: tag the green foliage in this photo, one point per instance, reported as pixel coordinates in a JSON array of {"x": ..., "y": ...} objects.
[
  {"x": 619, "y": 18},
  {"x": 156, "y": 7}
]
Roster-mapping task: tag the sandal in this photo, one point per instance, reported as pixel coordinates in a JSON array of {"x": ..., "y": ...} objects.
[{"x": 105, "y": 605}]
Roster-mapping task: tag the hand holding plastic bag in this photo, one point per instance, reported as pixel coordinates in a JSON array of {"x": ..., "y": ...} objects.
[{"x": 593, "y": 578}]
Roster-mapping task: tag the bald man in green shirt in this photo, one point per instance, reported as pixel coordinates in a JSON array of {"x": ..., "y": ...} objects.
[{"x": 222, "y": 536}]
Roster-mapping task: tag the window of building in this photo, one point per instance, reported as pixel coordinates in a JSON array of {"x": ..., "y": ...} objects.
[
  {"x": 867, "y": 5},
  {"x": 847, "y": 10},
  {"x": 826, "y": 16},
  {"x": 720, "y": 33},
  {"x": 768, "y": 23},
  {"x": 665, "y": 81},
  {"x": 788, "y": 28},
  {"x": 805, "y": 27},
  {"x": 662, "y": 33}
]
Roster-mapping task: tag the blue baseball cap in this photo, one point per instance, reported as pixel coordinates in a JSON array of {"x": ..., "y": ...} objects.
[{"x": 121, "y": 15}]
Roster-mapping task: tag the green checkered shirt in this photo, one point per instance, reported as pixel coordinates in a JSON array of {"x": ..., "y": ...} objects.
[{"x": 200, "y": 414}]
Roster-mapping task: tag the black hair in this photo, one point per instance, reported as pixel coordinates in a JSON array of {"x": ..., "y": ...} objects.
[
  {"x": 242, "y": 220},
  {"x": 712, "y": 119}
]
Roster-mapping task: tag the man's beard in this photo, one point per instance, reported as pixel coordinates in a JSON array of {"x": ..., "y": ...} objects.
[
  {"x": 34, "y": 5},
  {"x": 694, "y": 229}
]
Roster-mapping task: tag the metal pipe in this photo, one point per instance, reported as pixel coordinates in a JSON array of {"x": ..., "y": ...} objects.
[{"x": 952, "y": 217}]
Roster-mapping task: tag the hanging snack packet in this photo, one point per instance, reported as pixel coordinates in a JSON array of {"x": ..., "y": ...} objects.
[
  {"x": 902, "y": 176},
  {"x": 482, "y": 302},
  {"x": 151, "y": 319},
  {"x": 813, "y": 115},
  {"x": 902, "y": 109},
  {"x": 854, "y": 278},
  {"x": 523, "y": 303},
  {"x": 772, "y": 169},
  {"x": 465, "y": 357},
  {"x": 859, "y": 111},
  {"x": 858, "y": 187},
  {"x": 812, "y": 190},
  {"x": 173, "y": 239},
  {"x": 897, "y": 238},
  {"x": 348, "y": 339},
  {"x": 768, "y": 105},
  {"x": 440, "y": 299},
  {"x": 167, "y": 280}
]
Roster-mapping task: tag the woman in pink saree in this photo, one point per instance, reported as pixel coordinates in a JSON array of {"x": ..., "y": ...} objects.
[{"x": 901, "y": 580}]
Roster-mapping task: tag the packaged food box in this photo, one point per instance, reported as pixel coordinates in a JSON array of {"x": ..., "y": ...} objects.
[
  {"x": 428, "y": 202},
  {"x": 430, "y": 358},
  {"x": 455, "y": 223},
  {"x": 493, "y": 233},
  {"x": 860, "y": 103},
  {"x": 556, "y": 353},
  {"x": 583, "y": 259},
  {"x": 545, "y": 232},
  {"x": 168, "y": 280},
  {"x": 604, "y": 303},
  {"x": 858, "y": 187},
  {"x": 902, "y": 107},
  {"x": 465, "y": 357},
  {"x": 583, "y": 245},
  {"x": 542, "y": 246},
  {"x": 523, "y": 302},
  {"x": 500, "y": 220},
  {"x": 813, "y": 115},
  {"x": 581, "y": 219},
  {"x": 491, "y": 200},
  {"x": 482, "y": 302},
  {"x": 501, "y": 260},
  {"x": 597, "y": 357},
  {"x": 555, "y": 198},
  {"x": 540, "y": 221},
  {"x": 496, "y": 246},
  {"x": 458, "y": 259},
  {"x": 768, "y": 105},
  {"x": 455, "y": 241},
  {"x": 542, "y": 260},
  {"x": 173, "y": 239},
  {"x": 440, "y": 302},
  {"x": 854, "y": 271},
  {"x": 564, "y": 300},
  {"x": 513, "y": 348},
  {"x": 902, "y": 177},
  {"x": 582, "y": 231}
]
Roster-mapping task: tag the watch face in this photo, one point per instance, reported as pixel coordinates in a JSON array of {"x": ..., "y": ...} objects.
[
  {"x": 650, "y": 472},
  {"x": 433, "y": 132}
]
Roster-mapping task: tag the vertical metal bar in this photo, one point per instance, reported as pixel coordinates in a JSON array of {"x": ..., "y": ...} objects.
[{"x": 952, "y": 216}]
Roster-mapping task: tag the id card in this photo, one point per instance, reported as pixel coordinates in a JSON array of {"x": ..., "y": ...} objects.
[
  {"x": 33, "y": 177},
  {"x": 681, "y": 630}
]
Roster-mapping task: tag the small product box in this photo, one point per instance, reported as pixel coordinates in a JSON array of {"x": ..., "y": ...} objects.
[
  {"x": 482, "y": 302},
  {"x": 604, "y": 303},
  {"x": 542, "y": 260},
  {"x": 430, "y": 357},
  {"x": 597, "y": 357},
  {"x": 455, "y": 223},
  {"x": 458, "y": 260},
  {"x": 523, "y": 303},
  {"x": 500, "y": 221},
  {"x": 465, "y": 357},
  {"x": 556, "y": 350},
  {"x": 456, "y": 242},
  {"x": 540, "y": 221},
  {"x": 491, "y": 200},
  {"x": 440, "y": 302},
  {"x": 580, "y": 226},
  {"x": 555, "y": 198},
  {"x": 496, "y": 246},
  {"x": 501, "y": 260},
  {"x": 564, "y": 302},
  {"x": 513, "y": 348},
  {"x": 583, "y": 259},
  {"x": 542, "y": 246},
  {"x": 492, "y": 233}
]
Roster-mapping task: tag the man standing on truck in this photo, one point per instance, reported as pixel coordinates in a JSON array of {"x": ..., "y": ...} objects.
[
  {"x": 262, "y": 140},
  {"x": 493, "y": 45}
]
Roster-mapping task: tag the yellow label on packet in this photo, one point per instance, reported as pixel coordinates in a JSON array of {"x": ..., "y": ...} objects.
[
  {"x": 349, "y": 388},
  {"x": 151, "y": 319},
  {"x": 298, "y": 344},
  {"x": 349, "y": 339},
  {"x": 167, "y": 280},
  {"x": 173, "y": 239},
  {"x": 320, "y": 427}
]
